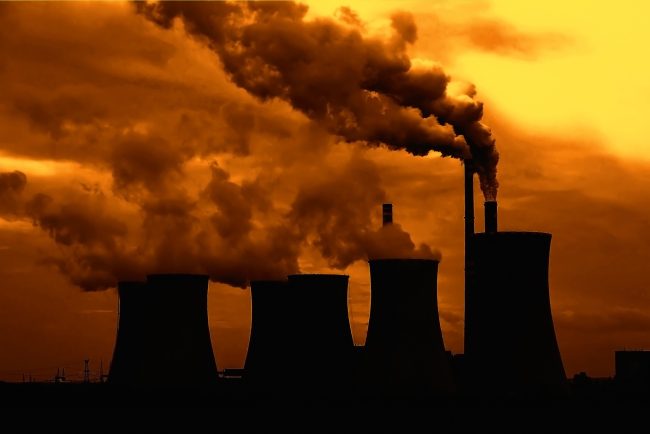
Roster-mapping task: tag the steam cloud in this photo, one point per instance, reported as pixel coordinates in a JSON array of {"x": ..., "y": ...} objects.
[
  {"x": 11, "y": 186},
  {"x": 156, "y": 216},
  {"x": 360, "y": 88}
]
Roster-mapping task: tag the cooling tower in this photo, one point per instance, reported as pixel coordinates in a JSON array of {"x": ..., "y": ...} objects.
[
  {"x": 271, "y": 335},
  {"x": 405, "y": 353},
  {"x": 179, "y": 351},
  {"x": 323, "y": 349},
  {"x": 511, "y": 347},
  {"x": 126, "y": 366}
]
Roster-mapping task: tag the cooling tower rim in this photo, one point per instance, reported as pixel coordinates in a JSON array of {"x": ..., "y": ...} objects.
[
  {"x": 264, "y": 281},
  {"x": 317, "y": 274},
  {"x": 298, "y": 275},
  {"x": 267, "y": 284},
  {"x": 169, "y": 276},
  {"x": 131, "y": 283},
  {"x": 402, "y": 260},
  {"x": 513, "y": 234}
]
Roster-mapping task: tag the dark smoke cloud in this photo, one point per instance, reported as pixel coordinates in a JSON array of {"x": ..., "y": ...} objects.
[
  {"x": 338, "y": 210},
  {"x": 391, "y": 241},
  {"x": 11, "y": 186},
  {"x": 94, "y": 245},
  {"x": 163, "y": 168},
  {"x": 360, "y": 88}
]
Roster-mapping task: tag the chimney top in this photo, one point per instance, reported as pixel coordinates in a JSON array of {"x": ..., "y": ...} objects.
[{"x": 387, "y": 213}]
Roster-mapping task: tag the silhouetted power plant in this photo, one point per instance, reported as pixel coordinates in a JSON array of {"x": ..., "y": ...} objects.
[
  {"x": 301, "y": 340},
  {"x": 405, "y": 354}
]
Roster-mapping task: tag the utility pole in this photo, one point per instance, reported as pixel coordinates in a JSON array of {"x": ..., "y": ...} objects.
[{"x": 86, "y": 371}]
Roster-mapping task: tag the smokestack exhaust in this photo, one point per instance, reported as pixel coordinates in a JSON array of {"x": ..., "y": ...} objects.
[
  {"x": 490, "y": 217},
  {"x": 387, "y": 214}
]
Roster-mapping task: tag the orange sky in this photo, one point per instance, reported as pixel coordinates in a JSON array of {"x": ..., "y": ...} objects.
[{"x": 112, "y": 117}]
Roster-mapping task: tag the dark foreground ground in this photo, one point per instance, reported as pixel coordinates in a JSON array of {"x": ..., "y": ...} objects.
[{"x": 587, "y": 408}]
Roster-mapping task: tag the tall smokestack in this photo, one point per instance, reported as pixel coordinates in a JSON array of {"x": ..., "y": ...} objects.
[
  {"x": 490, "y": 216},
  {"x": 469, "y": 203},
  {"x": 469, "y": 233},
  {"x": 387, "y": 213}
]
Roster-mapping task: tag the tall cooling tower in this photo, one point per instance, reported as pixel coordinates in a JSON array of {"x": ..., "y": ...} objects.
[
  {"x": 511, "y": 348},
  {"x": 404, "y": 353},
  {"x": 179, "y": 351},
  {"x": 271, "y": 335},
  {"x": 323, "y": 347},
  {"x": 134, "y": 303}
]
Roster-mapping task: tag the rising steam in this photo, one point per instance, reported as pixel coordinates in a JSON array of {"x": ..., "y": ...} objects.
[
  {"x": 360, "y": 88},
  {"x": 154, "y": 212}
]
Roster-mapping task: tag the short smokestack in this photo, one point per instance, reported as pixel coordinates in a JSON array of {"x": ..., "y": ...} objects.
[
  {"x": 387, "y": 213},
  {"x": 490, "y": 217}
]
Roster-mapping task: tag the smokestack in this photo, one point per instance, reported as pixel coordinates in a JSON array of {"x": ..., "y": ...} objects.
[
  {"x": 469, "y": 202},
  {"x": 271, "y": 335},
  {"x": 324, "y": 361},
  {"x": 179, "y": 350},
  {"x": 490, "y": 216},
  {"x": 513, "y": 350},
  {"x": 405, "y": 353},
  {"x": 387, "y": 213},
  {"x": 126, "y": 366},
  {"x": 469, "y": 233}
]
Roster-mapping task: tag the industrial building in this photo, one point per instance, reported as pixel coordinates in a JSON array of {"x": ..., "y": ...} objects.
[{"x": 632, "y": 370}]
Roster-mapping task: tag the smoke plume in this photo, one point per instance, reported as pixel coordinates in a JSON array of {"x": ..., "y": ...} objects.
[
  {"x": 238, "y": 170},
  {"x": 336, "y": 210},
  {"x": 359, "y": 87},
  {"x": 11, "y": 186}
]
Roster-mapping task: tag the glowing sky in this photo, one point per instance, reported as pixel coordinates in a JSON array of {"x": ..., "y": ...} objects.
[{"x": 114, "y": 118}]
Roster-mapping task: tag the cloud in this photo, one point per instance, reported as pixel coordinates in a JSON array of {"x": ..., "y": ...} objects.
[
  {"x": 472, "y": 26},
  {"x": 11, "y": 186},
  {"x": 610, "y": 321},
  {"x": 359, "y": 87}
]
